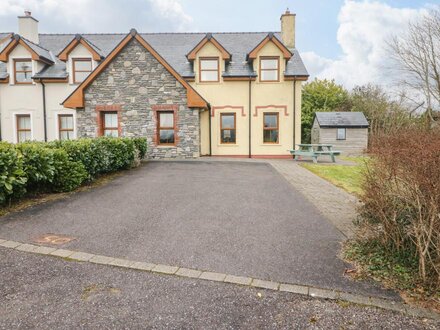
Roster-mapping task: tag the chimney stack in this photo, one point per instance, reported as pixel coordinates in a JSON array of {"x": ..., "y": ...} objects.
[
  {"x": 288, "y": 29},
  {"x": 28, "y": 27}
]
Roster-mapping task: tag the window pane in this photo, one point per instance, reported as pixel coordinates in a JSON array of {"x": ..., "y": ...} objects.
[
  {"x": 228, "y": 136},
  {"x": 209, "y": 65},
  {"x": 209, "y": 76},
  {"x": 66, "y": 122},
  {"x": 269, "y": 64},
  {"x": 83, "y": 65},
  {"x": 66, "y": 135},
  {"x": 166, "y": 136},
  {"x": 228, "y": 121},
  {"x": 24, "y": 122},
  {"x": 270, "y": 136},
  {"x": 166, "y": 119},
  {"x": 24, "y": 136},
  {"x": 341, "y": 134},
  {"x": 111, "y": 120},
  {"x": 23, "y": 66},
  {"x": 111, "y": 132},
  {"x": 270, "y": 121},
  {"x": 23, "y": 77},
  {"x": 271, "y": 75},
  {"x": 81, "y": 76}
]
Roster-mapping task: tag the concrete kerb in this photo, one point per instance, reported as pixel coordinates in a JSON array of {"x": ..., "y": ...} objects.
[{"x": 225, "y": 278}]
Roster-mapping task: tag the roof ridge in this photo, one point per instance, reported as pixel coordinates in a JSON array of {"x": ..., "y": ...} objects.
[{"x": 157, "y": 33}]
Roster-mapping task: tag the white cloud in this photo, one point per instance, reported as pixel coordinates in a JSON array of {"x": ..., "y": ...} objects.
[
  {"x": 364, "y": 27},
  {"x": 98, "y": 15}
]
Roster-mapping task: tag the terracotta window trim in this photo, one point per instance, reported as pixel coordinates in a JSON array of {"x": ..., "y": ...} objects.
[
  {"x": 201, "y": 59},
  {"x": 227, "y": 114},
  {"x": 18, "y": 60},
  {"x": 262, "y": 58},
  {"x": 74, "y": 70},
  {"x": 277, "y": 128},
  {"x": 60, "y": 129},
  {"x": 159, "y": 128},
  {"x": 110, "y": 128},
  {"x": 19, "y": 130}
]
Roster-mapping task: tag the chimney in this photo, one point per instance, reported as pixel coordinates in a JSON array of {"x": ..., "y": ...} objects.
[
  {"x": 288, "y": 29},
  {"x": 28, "y": 27}
]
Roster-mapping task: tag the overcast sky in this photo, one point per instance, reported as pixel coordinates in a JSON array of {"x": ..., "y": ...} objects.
[{"x": 341, "y": 39}]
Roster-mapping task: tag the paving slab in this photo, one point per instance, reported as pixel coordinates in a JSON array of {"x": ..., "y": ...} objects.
[
  {"x": 62, "y": 253},
  {"x": 192, "y": 273}
]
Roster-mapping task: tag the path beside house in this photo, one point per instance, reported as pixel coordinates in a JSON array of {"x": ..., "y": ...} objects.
[{"x": 335, "y": 204}]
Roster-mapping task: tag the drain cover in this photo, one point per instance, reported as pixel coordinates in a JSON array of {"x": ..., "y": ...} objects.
[{"x": 53, "y": 239}]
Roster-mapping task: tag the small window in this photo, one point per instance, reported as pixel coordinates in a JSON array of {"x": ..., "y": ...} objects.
[
  {"x": 209, "y": 70},
  {"x": 165, "y": 127},
  {"x": 110, "y": 124},
  {"x": 341, "y": 134},
  {"x": 271, "y": 128},
  {"x": 227, "y": 128},
  {"x": 24, "y": 130},
  {"x": 81, "y": 68},
  {"x": 23, "y": 71},
  {"x": 269, "y": 69},
  {"x": 65, "y": 127}
]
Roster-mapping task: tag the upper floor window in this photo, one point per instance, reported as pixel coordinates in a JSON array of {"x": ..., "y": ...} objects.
[
  {"x": 209, "y": 69},
  {"x": 270, "y": 128},
  {"x": 81, "y": 68},
  {"x": 23, "y": 71},
  {"x": 110, "y": 123},
  {"x": 165, "y": 127},
  {"x": 269, "y": 69},
  {"x": 24, "y": 130},
  {"x": 227, "y": 128},
  {"x": 65, "y": 127}
]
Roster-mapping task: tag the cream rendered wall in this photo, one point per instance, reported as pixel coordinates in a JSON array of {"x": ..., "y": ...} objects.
[
  {"x": 28, "y": 99},
  {"x": 236, "y": 94},
  {"x": 20, "y": 99}
]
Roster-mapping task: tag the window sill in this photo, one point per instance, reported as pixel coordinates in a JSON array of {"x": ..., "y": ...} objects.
[
  {"x": 166, "y": 146},
  {"x": 270, "y": 144},
  {"x": 229, "y": 145}
]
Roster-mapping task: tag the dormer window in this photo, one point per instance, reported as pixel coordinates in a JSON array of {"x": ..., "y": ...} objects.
[
  {"x": 209, "y": 69},
  {"x": 269, "y": 69},
  {"x": 81, "y": 68},
  {"x": 23, "y": 71}
]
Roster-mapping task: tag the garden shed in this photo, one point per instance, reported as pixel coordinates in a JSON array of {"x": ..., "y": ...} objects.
[{"x": 346, "y": 131}]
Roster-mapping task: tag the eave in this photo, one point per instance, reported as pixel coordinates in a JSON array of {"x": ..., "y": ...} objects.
[
  {"x": 270, "y": 38},
  {"x": 17, "y": 40},
  {"x": 191, "y": 56},
  {"x": 64, "y": 54}
]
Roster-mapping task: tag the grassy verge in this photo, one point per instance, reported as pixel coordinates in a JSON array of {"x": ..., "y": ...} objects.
[{"x": 347, "y": 177}]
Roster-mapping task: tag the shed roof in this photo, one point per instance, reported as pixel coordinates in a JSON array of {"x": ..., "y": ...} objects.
[{"x": 342, "y": 119}]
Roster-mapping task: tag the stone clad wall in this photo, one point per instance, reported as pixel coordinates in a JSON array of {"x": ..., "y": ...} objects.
[{"x": 140, "y": 85}]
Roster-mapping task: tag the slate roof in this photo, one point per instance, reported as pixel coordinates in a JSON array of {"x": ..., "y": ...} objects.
[
  {"x": 173, "y": 47},
  {"x": 342, "y": 119}
]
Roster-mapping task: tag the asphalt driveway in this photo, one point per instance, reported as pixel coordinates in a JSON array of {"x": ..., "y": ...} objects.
[{"x": 229, "y": 217}]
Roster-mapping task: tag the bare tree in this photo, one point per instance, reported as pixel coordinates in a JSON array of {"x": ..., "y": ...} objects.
[{"x": 417, "y": 55}]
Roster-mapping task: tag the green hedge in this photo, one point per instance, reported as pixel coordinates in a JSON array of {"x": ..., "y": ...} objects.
[{"x": 63, "y": 165}]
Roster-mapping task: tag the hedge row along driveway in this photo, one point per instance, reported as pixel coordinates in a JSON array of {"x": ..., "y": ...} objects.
[{"x": 63, "y": 165}]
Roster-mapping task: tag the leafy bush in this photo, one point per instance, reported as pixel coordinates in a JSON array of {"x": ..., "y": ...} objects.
[
  {"x": 12, "y": 176},
  {"x": 68, "y": 175},
  {"x": 63, "y": 165},
  {"x": 401, "y": 200}
]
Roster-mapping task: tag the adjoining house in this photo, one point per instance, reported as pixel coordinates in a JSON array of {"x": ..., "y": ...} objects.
[
  {"x": 189, "y": 94},
  {"x": 347, "y": 131}
]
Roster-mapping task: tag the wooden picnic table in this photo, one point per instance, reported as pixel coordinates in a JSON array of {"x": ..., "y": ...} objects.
[{"x": 314, "y": 151}]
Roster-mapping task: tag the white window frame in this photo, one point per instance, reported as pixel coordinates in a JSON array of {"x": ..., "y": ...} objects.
[{"x": 343, "y": 129}]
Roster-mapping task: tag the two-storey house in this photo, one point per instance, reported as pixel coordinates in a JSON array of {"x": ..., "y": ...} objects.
[{"x": 189, "y": 94}]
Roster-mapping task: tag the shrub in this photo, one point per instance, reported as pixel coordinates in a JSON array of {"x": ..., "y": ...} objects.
[
  {"x": 37, "y": 164},
  {"x": 141, "y": 146},
  {"x": 401, "y": 199},
  {"x": 12, "y": 176},
  {"x": 69, "y": 175}
]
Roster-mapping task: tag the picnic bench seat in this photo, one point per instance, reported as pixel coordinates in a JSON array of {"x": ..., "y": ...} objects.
[{"x": 314, "y": 151}]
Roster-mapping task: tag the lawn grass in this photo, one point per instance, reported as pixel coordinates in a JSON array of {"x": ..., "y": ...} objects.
[{"x": 347, "y": 177}]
